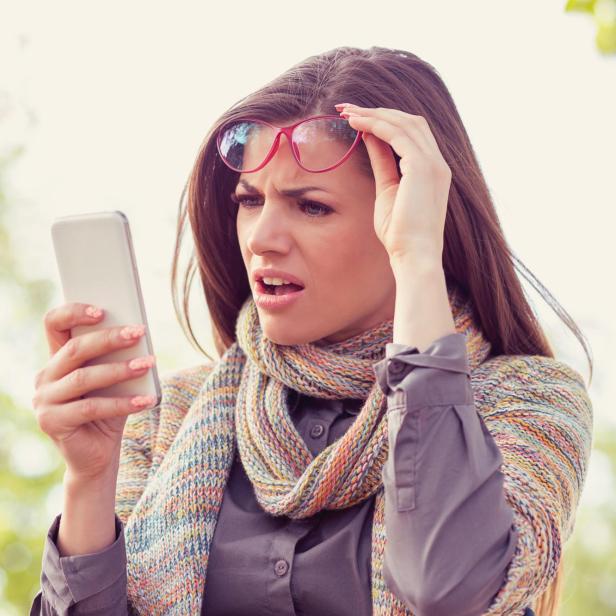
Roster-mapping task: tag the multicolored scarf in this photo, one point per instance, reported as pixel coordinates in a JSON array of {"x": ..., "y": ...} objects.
[{"x": 176, "y": 460}]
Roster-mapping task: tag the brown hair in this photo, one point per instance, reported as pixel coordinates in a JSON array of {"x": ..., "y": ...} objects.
[{"x": 476, "y": 257}]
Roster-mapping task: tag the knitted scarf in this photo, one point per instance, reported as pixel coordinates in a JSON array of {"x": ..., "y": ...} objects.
[{"x": 244, "y": 401}]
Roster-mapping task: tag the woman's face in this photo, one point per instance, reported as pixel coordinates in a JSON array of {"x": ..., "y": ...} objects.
[{"x": 330, "y": 245}]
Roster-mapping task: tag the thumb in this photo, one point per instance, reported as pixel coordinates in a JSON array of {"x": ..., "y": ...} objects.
[{"x": 383, "y": 161}]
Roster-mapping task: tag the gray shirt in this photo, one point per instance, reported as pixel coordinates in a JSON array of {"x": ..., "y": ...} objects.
[{"x": 263, "y": 564}]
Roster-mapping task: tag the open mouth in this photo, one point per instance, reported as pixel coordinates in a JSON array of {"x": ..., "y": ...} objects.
[{"x": 277, "y": 289}]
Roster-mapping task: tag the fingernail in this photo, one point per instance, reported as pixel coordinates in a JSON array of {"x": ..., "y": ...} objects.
[
  {"x": 141, "y": 362},
  {"x": 93, "y": 311},
  {"x": 138, "y": 401},
  {"x": 132, "y": 331}
]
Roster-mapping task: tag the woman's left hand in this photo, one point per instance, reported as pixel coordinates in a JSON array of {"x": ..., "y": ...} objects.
[{"x": 409, "y": 211}]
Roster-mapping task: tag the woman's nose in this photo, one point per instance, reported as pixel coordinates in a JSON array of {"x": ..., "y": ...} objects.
[{"x": 270, "y": 230}]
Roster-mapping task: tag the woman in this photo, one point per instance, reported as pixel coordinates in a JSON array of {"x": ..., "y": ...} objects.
[{"x": 386, "y": 431}]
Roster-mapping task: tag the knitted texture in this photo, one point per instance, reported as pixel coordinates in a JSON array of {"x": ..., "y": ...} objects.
[{"x": 175, "y": 459}]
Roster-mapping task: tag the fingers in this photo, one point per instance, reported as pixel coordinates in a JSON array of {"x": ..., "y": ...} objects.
[
  {"x": 384, "y": 165},
  {"x": 82, "y": 348},
  {"x": 415, "y": 126},
  {"x": 59, "y": 421},
  {"x": 87, "y": 378},
  {"x": 59, "y": 321},
  {"x": 65, "y": 377},
  {"x": 412, "y": 157},
  {"x": 383, "y": 162}
]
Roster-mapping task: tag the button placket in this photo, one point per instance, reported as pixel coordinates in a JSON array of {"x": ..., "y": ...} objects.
[{"x": 282, "y": 549}]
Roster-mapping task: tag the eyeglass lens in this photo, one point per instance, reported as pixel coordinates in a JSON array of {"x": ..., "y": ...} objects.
[{"x": 319, "y": 143}]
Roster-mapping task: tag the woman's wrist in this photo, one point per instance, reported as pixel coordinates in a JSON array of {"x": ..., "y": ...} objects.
[
  {"x": 87, "y": 523},
  {"x": 422, "y": 261},
  {"x": 422, "y": 312}
]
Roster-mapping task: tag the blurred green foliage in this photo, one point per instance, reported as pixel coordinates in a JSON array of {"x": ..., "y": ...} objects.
[
  {"x": 590, "y": 566},
  {"x": 603, "y": 13},
  {"x": 31, "y": 469}
]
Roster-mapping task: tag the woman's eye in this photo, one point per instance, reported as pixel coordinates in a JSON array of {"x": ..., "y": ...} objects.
[
  {"x": 310, "y": 207},
  {"x": 240, "y": 199},
  {"x": 313, "y": 206}
]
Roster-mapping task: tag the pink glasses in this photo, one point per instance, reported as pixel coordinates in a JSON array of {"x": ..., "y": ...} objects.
[{"x": 319, "y": 143}]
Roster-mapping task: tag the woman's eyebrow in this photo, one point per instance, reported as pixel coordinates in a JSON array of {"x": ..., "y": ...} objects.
[{"x": 290, "y": 192}]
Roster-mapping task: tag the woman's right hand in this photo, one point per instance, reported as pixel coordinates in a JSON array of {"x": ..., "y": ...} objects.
[{"x": 87, "y": 431}]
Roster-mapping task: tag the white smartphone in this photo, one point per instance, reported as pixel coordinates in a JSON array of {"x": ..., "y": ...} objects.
[{"x": 97, "y": 265}]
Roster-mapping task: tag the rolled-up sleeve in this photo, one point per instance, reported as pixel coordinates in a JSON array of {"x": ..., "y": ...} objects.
[
  {"x": 449, "y": 528},
  {"x": 84, "y": 584}
]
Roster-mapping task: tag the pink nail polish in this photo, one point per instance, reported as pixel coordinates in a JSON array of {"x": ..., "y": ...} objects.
[
  {"x": 141, "y": 362},
  {"x": 132, "y": 331},
  {"x": 93, "y": 312}
]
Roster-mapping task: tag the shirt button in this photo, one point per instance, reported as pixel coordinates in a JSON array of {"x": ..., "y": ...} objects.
[
  {"x": 316, "y": 430},
  {"x": 281, "y": 567},
  {"x": 397, "y": 367}
]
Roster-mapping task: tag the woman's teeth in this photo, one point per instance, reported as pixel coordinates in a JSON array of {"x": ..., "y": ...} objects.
[
  {"x": 278, "y": 287},
  {"x": 276, "y": 281}
]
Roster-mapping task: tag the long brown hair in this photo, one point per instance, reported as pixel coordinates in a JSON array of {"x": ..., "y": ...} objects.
[{"x": 476, "y": 257}]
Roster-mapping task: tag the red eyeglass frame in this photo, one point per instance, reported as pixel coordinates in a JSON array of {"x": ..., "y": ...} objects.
[{"x": 288, "y": 132}]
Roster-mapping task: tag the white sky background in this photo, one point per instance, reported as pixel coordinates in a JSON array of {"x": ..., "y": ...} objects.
[{"x": 111, "y": 102}]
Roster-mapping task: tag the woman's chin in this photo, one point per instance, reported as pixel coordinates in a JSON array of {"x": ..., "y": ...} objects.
[
  {"x": 287, "y": 335},
  {"x": 283, "y": 338}
]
